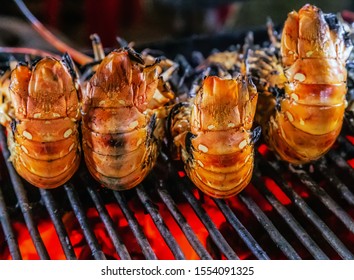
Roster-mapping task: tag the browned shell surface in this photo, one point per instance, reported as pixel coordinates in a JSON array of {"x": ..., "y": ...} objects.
[
  {"x": 118, "y": 143},
  {"x": 310, "y": 115},
  {"x": 43, "y": 140},
  {"x": 219, "y": 156}
]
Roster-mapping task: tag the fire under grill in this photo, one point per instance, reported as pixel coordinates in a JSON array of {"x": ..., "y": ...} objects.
[{"x": 285, "y": 213}]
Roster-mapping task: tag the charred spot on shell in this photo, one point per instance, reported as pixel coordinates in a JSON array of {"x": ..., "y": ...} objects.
[
  {"x": 23, "y": 63},
  {"x": 256, "y": 134},
  {"x": 13, "y": 125},
  {"x": 188, "y": 142},
  {"x": 134, "y": 56},
  {"x": 68, "y": 62},
  {"x": 173, "y": 112},
  {"x": 112, "y": 142},
  {"x": 332, "y": 21},
  {"x": 279, "y": 96},
  {"x": 33, "y": 63},
  {"x": 151, "y": 127}
]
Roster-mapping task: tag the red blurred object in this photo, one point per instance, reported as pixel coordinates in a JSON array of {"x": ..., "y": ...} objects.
[
  {"x": 348, "y": 16},
  {"x": 107, "y": 18}
]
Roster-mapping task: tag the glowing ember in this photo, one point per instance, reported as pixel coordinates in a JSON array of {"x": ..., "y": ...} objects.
[{"x": 350, "y": 138}]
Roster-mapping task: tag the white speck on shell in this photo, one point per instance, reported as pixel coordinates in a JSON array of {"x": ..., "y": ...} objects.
[
  {"x": 23, "y": 148},
  {"x": 299, "y": 77},
  {"x": 289, "y": 116},
  {"x": 71, "y": 147},
  {"x": 294, "y": 96},
  {"x": 242, "y": 144},
  {"x": 133, "y": 124},
  {"x": 27, "y": 135},
  {"x": 68, "y": 132},
  {"x": 200, "y": 163},
  {"x": 203, "y": 148}
]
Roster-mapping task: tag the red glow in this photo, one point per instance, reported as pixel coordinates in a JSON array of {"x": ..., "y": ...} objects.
[
  {"x": 278, "y": 193},
  {"x": 263, "y": 149},
  {"x": 351, "y": 162},
  {"x": 82, "y": 250},
  {"x": 350, "y": 138}
]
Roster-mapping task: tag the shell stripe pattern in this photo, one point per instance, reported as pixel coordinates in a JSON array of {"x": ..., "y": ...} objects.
[
  {"x": 303, "y": 121},
  {"x": 217, "y": 149},
  {"x": 120, "y": 119},
  {"x": 43, "y": 137}
]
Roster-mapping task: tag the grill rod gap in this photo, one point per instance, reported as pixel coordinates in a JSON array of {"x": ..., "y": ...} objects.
[
  {"x": 243, "y": 233},
  {"x": 160, "y": 224},
  {"x": 322, "y": 195},
  {"x": 8, "y": 231},
  {"x": 300, "y": 203},
  {"x": 135, "y": 227},
  {"x": 332, "y": 178},
  {"x": 106, "y": 219},
  {"x": 299, "y": 231},
  {"x": 23, "y": 201},
  {"x": 342, "y": 164},
  {"x": 53, "y": 211},
  {"x": 274, "y": 234},
  {"x": 83, "y": 221},
  {"x": 215, "y": 234},
  {"x": 181, "y": 221}
]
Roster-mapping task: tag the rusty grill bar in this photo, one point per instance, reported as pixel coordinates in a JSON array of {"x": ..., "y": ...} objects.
[{"x": 300, "y": 209}]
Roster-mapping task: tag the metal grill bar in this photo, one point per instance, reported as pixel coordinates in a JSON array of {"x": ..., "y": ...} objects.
[
  {"x": 325, "y": 231},
  {"x": 82, "y": 219},
  {"x": 54, "y": 214},
  {"x": 322, "y": 195},
  {"x": 299, "y": 231},
  {"x": 241, "y": 230},
  {"x": 345, "y": 144},
  {"x": 186, "y": 228},
  {"x": 135, "y": 227},
  {"x": 23, "y": 201},
  {"x": 8, "y": 232},
  {"x": 106, "y": 219},
  {"x": 164, "y": 231},
  {"x": 341, "y": 163},
  {"x": 331, "y": 177},
  {"x": 215, "y": 234},
  {"x": 275, "y": 235}
]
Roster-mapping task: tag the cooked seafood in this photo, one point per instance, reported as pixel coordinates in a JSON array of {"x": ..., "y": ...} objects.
[
  {"x": 304, "y": 119},
  {"x": 41, "y": 113},
  {"x": 121, "y": 118},
  {"x": 213, "y": 133}
]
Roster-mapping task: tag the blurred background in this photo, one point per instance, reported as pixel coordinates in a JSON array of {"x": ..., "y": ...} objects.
[{"x": 144, "y": 21}]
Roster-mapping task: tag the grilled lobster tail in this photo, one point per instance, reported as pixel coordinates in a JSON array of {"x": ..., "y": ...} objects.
[{"x": 43, "y": 137}]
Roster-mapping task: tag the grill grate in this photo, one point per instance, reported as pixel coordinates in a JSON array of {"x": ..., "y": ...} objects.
[
  {"x": 306, "y": 213},
  {"x": 288, "y": 244}
]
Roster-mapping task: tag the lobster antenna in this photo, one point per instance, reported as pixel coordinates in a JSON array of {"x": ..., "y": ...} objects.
[
  {"x": 272, "y": 34},
  {"x": 28, "y": 51},
  {"x": 97, "y": 47},
  {"x": 79, "y": 57},
  {"x": 247, "y": 46}
]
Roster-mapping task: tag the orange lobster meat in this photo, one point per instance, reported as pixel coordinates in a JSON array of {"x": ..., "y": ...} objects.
[
  {"x": 214, "y": 135},
  {"x": 121, "y": 119},
  {"x": 42, "y": 123},
  {"x": 306, "y": 117}
]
